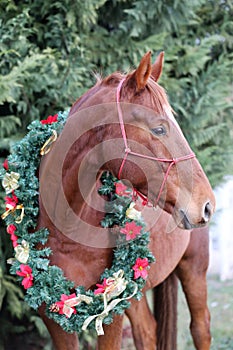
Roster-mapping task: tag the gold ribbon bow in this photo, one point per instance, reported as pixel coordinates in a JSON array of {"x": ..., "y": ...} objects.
[
  {"x": 47, "y": 145},
  {"x": 10, "y": 181},
  {"x": 119, "y": 286},
  {"x": 22, "y": 252},
  {"x": 70, "y": 303},
  {"x": 11, "y": 209}
]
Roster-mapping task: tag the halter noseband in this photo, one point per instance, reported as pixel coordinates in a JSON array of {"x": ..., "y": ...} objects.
[{"x": 128, "y": 151}]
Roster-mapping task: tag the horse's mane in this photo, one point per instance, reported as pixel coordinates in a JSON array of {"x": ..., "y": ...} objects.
[{"x": 158, "y": 95}]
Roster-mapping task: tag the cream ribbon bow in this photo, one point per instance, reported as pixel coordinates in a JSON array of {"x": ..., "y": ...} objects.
[
  {"x": 117, "y": 285},
  {"x": 10, "y": 181},
  {"x": 22, "y": 252},
  {"x": 132, "y": 213}
]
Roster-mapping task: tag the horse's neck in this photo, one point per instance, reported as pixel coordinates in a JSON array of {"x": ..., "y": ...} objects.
[{"x": 69, "y": 182}]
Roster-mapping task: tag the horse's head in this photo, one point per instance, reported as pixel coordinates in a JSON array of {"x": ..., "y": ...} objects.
[
  {"x": 125, "y": 124},
  {"x": 158, "y": 160}
]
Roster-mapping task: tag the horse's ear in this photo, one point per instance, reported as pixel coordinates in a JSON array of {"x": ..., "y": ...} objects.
[
  {"x": 143, "y": 71},
  {"x": 157, "y": 67}
]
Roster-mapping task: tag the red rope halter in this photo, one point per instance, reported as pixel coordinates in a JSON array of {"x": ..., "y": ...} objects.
[{"x": 128, "y": 151}]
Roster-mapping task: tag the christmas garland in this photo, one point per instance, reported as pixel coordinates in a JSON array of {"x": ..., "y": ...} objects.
[{"x": 44, "y": 283}]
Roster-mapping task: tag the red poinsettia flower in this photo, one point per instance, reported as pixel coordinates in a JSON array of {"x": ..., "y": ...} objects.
[
  {"x": 140, "y": 268},
  {"x": 51, "y": 119},
  {"x": 101, "y": 287},
  {"x": 26, "y": 272},
  {"x": 61, "y": 304},
  {"x": 131, "y": 230},
  {"x": 11, "y": 202},
  {"x": 121, "y": 189},
  {"x": 5, "y": 164}
]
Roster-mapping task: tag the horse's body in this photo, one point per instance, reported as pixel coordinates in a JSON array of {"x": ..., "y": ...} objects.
[{"x": 72, "y": 171}]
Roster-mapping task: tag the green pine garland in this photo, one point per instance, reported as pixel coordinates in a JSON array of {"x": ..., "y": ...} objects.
[{"x": 47, "y": 283}]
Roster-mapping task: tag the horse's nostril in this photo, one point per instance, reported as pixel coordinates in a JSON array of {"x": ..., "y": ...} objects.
[{"x": 207, "y": 212}]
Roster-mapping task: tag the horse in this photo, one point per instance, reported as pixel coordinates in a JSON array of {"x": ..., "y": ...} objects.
[{"x": 124, "y": 125}]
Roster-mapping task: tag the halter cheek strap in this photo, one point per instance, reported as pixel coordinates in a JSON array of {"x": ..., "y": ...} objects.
[{"x": 128, "y": 151}]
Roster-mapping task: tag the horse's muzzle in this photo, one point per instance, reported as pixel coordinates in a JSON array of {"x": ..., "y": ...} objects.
[{"x": 206, "y": 216}]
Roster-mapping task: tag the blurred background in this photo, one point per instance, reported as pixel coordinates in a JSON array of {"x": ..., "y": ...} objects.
[{"x": 49, "y": 52}]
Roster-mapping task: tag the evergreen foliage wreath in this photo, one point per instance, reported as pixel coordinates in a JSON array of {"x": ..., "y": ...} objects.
[{"x": 45, "y": 283}]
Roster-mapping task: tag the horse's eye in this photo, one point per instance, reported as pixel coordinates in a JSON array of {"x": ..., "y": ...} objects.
[{"x": 159, "y": 131}]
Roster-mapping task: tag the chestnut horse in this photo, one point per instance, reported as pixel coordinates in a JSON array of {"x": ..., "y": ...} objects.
[{"x": 125, "y": 125}]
